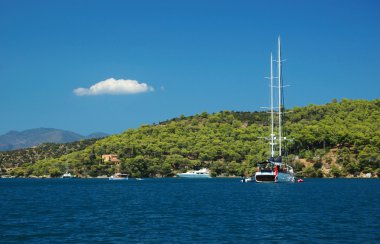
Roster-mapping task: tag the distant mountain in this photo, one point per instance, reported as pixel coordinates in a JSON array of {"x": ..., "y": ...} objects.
[
  {"x": 28, "y": 138},
  {"x": 96, "y": 135}
]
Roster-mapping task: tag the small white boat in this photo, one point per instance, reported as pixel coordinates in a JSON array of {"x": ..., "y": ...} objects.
[
  {"x": 67, "y": 175},
  {"x": 202, "y": 173},
  {"x": 119, "y": 176},
  {"x": 248, "y": 179}
]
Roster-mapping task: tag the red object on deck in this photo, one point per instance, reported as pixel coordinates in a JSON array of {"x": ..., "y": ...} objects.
[
  {"x": 275, "y": 173},
  {"x": 300, "y": 180}
]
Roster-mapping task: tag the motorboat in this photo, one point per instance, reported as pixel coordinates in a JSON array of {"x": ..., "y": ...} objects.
[
  {"x": 119, "y": 176},
  {"x": 202, "y": 173},
  {"x": 67, "y": 175}
]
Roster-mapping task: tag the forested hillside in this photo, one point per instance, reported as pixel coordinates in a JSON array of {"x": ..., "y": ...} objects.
[
  {"x": 17, "y": 158},
  {"x": 334, "y": 140}
]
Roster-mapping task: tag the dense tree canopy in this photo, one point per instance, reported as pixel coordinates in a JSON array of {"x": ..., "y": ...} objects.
[{"x": 333, "y": 140}]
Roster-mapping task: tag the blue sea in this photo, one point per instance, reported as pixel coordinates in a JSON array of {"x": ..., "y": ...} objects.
[{"x": 189, "y": 211}]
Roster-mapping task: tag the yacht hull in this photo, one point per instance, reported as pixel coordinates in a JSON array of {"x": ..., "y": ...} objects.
[
  {"x": 265, "y": 177},
  {"x": 115, "y": 178},
  {"x": 119, "y": 176},
  {"x": 190, "y": 175},
  {"x": 285, "y": 177},
  {"x": 271, "y": 177},
  {"x": 196, "y": 174}
]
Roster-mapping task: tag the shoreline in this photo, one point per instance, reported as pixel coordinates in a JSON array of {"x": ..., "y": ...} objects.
[{"x": 175, "y": 177}]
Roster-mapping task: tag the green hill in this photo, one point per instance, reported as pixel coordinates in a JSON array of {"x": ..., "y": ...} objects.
[
  {"x": 17, "y": 158},
  {"x": 333, "y": 140}
]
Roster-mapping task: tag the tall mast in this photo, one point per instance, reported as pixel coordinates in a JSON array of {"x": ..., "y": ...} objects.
[
  {"x": 271, "y": 106},
  {"x": 279, "y": 97}
]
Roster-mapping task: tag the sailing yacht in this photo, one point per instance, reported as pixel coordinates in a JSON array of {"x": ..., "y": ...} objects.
[{"x": 274, "y": 169}]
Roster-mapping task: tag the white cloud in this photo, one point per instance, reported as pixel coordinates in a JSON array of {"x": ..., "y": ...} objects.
[{"x": 114, "y": 87}]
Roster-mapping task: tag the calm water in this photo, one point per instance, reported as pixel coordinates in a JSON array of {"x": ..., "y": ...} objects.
[{"x": 189, "y": 211}]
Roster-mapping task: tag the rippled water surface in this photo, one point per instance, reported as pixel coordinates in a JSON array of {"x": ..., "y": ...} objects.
[{"x": 189, "y": 211}]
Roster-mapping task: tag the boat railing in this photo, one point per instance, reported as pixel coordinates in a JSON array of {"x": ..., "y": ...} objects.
[{"x": 265, "y": 170}]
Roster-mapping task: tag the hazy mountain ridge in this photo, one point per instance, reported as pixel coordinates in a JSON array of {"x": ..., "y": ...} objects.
[{"x": 14, "y": 140}]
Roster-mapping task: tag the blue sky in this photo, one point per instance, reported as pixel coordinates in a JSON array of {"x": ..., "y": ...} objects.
[{"x": 185, "y": 57}]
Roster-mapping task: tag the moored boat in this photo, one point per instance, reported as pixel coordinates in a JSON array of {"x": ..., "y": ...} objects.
[
  {"x": 119, "y": 176},
  {"x": 202, "y": 173},
  {"x": 248, "y": 179},
  {"x": 67, "y": 175},
  {"x": 275, "y": 169},
  {"x": 271, "y": 171}
]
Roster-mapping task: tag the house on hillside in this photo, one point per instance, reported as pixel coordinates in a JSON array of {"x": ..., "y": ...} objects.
[{"x": 112, "y": 158}]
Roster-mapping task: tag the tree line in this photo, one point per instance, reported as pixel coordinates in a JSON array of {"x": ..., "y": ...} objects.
[{"x": 337, "y": 139}]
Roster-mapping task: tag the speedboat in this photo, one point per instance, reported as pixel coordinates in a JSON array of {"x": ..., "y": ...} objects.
[
  {"x": 202, "y": 173},
  {"x": 119, "y": 176},
  {"x": 67, "y": 175},
  {"x": 248, "y": 179}
]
